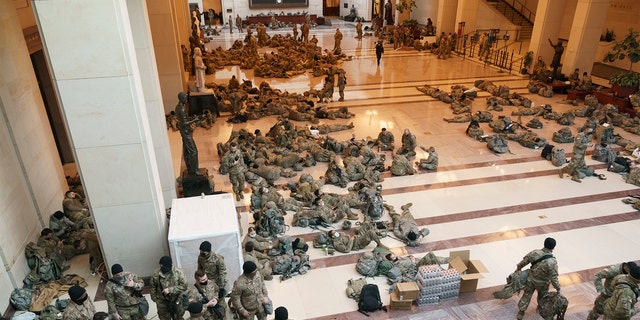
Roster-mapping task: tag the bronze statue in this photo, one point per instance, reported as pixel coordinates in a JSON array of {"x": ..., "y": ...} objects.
[
  {"x": 189, "y": 150},
  {"x": 559, "y": 49}
]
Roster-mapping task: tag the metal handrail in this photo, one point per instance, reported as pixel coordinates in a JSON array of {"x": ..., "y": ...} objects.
[{"x": 521, "y": 9}]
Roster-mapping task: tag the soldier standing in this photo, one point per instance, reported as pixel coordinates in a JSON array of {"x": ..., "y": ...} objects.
[
  {"x": 80, "y": 307},
  {"x": 239, "y": 23},
  {"x": 295, "y": 31},
  {"x": 123, "y": 293},
  {"x": 543, "y": 270},
  {"x": 359, "y": 30},
  {"x": 213, "y": 266},
  {"x": 342, "y": 82},
  {"x": 606, "y": 289},
  {"x": 206, "y": 292},
  {"x": 379, "y": 51},
  {"x": 305, "y": 32},
  {"x": 621, "y": 305},
  {"x": 168, "y": 285},
  {"x": 249, "y": 293},
  {"x": 337, "y": 48},
  {"x": 234, "y": 161}
]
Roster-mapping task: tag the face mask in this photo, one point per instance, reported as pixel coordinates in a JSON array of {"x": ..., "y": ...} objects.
[
  {"x": 81, "y": 300},
  {"x": 252, "y": 235},
  {"x": 204, "y": 254},
  {"x": 165, "y": 270},
  {"x": 204, "y": 283},
  {"x": 336, "y": 235}
]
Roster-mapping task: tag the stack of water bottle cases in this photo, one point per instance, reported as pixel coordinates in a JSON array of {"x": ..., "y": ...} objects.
[{"x": 437, "y": 284}]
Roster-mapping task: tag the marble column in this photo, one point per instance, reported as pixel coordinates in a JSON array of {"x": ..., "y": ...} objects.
[
  {"x": 547, "y": 25},
  {"x": 93, "y": 60},
  {"x": 163, "y": 22},
  {"x": 585, "y": 33},
  {"x": 446, "y": 21}
]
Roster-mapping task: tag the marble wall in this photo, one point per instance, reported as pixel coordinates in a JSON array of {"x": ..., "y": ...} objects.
[{"x": 31, "y": 179}]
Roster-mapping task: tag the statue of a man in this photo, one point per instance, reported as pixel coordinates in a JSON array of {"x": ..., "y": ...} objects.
[
  {"x": 388, "y": 13},
  {"x": 558, "y": 49},
  {"x": 189, "y": 149},
  {"x": 201, "y": 69}
]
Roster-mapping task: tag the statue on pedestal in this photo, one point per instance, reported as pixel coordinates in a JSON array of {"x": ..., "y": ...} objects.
[
  {"x": 189, "y": 149},
  {"x": 200, "y": 69},
  {"x": 558, "y": 50}
]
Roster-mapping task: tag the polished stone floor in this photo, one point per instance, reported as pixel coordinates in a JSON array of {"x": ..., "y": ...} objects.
[{"x": 497, "y": 206}]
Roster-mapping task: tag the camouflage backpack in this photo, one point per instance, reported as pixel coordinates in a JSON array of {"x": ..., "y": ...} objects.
[
  {"x": 515, "y": 283},
  {"x": 563, "y": 136},
  {"x": 21, "y": 298},
  {"x": 498, "y": 144},
  {"x": 282, "y": 264},
  {"x": 354, "y": 286},
  {"x": 558, "y": 157},
  {"x": 49, "y": 312},
  {"x": 321, "y": 240},
  {"x": 553, "y": 304},
  {"x": 367, "y": 265}
]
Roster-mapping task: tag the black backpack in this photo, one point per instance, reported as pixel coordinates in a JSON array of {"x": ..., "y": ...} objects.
[{"x": 370, "y": 299}]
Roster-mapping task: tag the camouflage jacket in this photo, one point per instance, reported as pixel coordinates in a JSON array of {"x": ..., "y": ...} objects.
[
  {"x": 118, "y": 295},
  {"x": 248, "y": 293},
  {"x": 544, "y": 271},
  {"x": 85, "y": 311},
  {"x": 210, "y": 291},
  {"x": 234, "y": 166},
  {"x": 61, "y": 227},
  {"x": 73, "y": 208},
  {"x": 623, "y": 299},
  {"x": 215, "y": 269},
  {"x": 174, "y": 280},
  {"x": 608, "y": 275}
]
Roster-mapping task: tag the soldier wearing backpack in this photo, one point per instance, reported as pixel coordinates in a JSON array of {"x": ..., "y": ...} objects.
[
  {"x": 621, "y": 305},
  {"x": 606, "y": 289},
  {"x": 543, "y": 270}
]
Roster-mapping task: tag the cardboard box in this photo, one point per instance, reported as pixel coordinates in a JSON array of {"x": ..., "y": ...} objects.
[
  {"x": 470, "y": 270},
  {"x": 397, "y": 304},
  {"x": 408, "y": 290}
]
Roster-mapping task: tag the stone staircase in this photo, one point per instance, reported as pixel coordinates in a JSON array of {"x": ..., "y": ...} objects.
[{"x": 518, "y": 18}]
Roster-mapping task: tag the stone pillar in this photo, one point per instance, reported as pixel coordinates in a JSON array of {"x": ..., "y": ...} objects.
[
  {"x": 152, "y": 89},
  {"x": 446, "y": 21},
  {"x": 467, "y": 12},
  {"x": 547, "y": 26},
  {"x": 163, "y": 22},
  {"x": 585, "y": 33},
  {"x": 93, "y": 60}
]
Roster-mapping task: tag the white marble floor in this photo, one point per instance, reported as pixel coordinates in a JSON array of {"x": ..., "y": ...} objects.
[{"x": 498, "y": 206}]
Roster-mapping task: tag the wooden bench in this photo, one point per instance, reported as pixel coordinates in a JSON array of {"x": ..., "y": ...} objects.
[{"x": 577, "y": 94}]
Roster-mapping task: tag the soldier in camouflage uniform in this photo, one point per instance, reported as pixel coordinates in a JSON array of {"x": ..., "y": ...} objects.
[
  {"x": 75, "y": 210},
  {"x": 80, "y": 307},
  {"x": 400, "y": 166},
  {"x": 213, "y": 265},
  {"x": 260, "y": 243},
  {"x": 168, "y": 285},
  {"x": 344, "y": 243},
  {"x": 195, "y": 311},
  {"x": 249, "y": 294},
  {"x": 62, "y": 227},
  {"x": 543, "y": 270},
  {"x": 233, "y": 160},
  {"x": 606, "y": 289},
  {"x": 262, "y": 261},
  {"x": 431, "y": 162},
  {"x": 409, "y": 144},
  {"x": 207, "y": 293},
  {"x": 621, "y": 305},
  {"x": 405, "y": 227},
  {"x": 123, "y": 292},
  {"x": 385, "y": 140}
]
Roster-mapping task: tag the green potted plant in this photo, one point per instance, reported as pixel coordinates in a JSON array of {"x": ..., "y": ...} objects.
[
  {"x": 625, "y": 83},
  {"x": 526, "y": 62}
]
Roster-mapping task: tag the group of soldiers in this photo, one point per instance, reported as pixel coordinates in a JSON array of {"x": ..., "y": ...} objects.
[
  {"x": 446, "y": 44},
  {"x": 70, "y": 233},
  {"x": 205, "y": 299}
]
